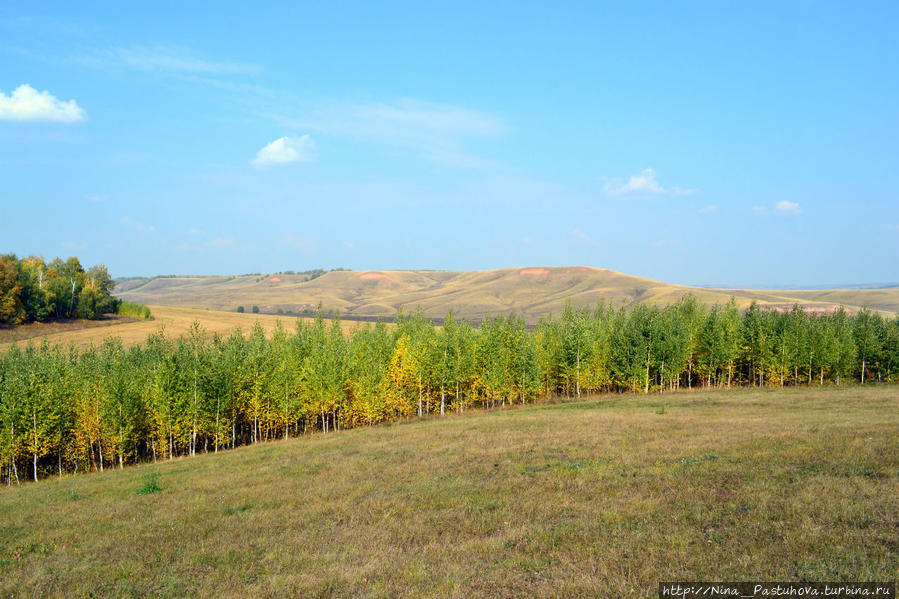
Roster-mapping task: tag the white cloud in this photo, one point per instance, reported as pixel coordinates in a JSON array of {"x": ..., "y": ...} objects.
[
  {"x": 28, "y": 104},
  {"x": 438, "y": 131},
  {"x": 782, "y": 207},
  {"x": 171, "y": 59},
  {"x": 785, "y": 207},
  {"x": 642, "y": 184},
  {"x": 286, "y": 150},
  {"x": 710, "y": 209}
]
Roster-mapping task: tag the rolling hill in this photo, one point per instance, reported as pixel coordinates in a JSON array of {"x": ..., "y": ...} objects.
[{"x": 531, "y": 292}]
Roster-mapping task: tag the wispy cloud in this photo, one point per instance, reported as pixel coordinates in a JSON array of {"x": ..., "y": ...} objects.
[
  {"x": 220, "y": 242},
  {"x": 136, "y": 225},
  {"x": 71, "y": 246},
  {"x": 28, "y": 104},
  {"x": 783, "y": 207},
  {"x": 306, "y": 246},
  {"x": 643, "y": 184},
  {"x": 286, "y": 150},
  {"x": 710, "y": 209},
  {"x": 170, "y": 59},
  {"x": 439, "y": 132},
  {"x": 583, "y": 238}
]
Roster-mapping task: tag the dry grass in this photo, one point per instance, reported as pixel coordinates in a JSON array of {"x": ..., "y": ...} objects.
[
  {"x": 39, "y": 330},
  {"x": 595, "y": 499},
  {"x": 531, "y": 292},
  {"x": 175, "y": 321}
]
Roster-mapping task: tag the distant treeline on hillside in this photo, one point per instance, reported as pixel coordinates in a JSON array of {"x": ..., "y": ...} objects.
[
  {"x": 63, "y": 410},
  {"x": 32, "y": 290}
]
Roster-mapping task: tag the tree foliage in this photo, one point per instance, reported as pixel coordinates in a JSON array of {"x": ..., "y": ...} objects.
[
  {"x": 32, "y": 290},
  {"x": 64, "y": 410}
]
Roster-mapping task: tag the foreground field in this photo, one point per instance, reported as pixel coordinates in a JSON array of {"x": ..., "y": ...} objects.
[
  {"x": 176, "y": 321},
  {"x": 600, "y": 498}
]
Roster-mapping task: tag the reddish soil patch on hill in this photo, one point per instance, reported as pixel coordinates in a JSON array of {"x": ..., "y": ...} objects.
[
  {"x": 275, "y": 280},
  {"x": 375, "y": 275},
  {"x": 533, "y": 272}
]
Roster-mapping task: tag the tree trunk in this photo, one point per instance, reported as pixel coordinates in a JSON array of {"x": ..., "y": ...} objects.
[
  {"x": 578, "y": 381},
  {"x": 646, "y": 383}
]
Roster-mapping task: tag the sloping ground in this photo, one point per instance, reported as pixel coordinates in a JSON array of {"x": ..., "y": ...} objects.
[
  {"x": 596, "y": 499},
  {"x": 531, "y": 292},
  {"x": 174, "y": 320}
]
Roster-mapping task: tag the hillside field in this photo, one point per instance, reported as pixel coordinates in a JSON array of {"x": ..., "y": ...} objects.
[
  {"x": 174, "y": 320},
  {"x": 530, "y": 292},
  {"x": 600, "y": 498}
]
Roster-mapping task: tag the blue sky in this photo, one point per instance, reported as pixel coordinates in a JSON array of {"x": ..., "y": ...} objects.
[{"x": 700, "y": 143}]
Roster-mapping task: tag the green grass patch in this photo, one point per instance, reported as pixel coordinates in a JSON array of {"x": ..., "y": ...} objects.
[
  {"x": 150, "y": 484},
  {"x": 541, "y": 501}
]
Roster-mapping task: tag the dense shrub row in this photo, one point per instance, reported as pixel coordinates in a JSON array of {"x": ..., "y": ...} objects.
[{"x": 64, "y": 409}]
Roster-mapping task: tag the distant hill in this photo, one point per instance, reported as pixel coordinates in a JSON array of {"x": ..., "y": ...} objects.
[{"x": 531, "y": 292}]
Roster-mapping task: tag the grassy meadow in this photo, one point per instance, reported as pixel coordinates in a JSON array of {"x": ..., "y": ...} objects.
[{"x": 603, "y": 497}]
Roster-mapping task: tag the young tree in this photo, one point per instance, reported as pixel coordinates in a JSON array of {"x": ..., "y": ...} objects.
[
  {"x": 867, "y": 341},
  {"x": 11, "y": 309}
]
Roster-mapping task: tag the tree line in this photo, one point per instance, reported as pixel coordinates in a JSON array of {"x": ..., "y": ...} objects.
[
  {"x": 69, "y": 410},
  {"x": 33, "y": 290}
]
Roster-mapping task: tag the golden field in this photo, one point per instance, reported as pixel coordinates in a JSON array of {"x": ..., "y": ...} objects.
[{"x": 174, "y": 320}]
